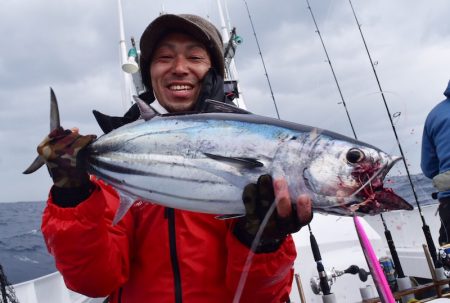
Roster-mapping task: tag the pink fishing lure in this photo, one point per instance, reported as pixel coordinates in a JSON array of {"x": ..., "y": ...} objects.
[{"x": 384, "y": 291}]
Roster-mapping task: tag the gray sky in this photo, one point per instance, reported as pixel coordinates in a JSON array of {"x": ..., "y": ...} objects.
[{"x": 73, "y": 47}]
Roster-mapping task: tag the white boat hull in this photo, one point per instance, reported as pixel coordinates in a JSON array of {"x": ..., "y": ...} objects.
[{"x": 49, "y": 289}]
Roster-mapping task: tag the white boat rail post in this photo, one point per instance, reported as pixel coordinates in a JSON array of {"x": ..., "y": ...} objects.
[{"x": 127, "y": 92}]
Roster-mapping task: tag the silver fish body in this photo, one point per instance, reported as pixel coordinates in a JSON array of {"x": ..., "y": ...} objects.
[{"x": 202, "y": 162}]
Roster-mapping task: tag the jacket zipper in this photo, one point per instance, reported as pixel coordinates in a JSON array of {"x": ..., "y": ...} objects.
[{"x": 170, "y": 215}]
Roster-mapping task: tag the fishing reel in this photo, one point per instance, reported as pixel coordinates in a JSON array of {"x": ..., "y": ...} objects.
[{"x": 333, "y": 274}]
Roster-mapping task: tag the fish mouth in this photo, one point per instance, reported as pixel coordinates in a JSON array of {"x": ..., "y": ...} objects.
[{"x": 373, "y": 198}]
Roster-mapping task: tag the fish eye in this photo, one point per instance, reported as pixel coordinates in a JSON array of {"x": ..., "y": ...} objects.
[{"x": 355, "y": 155}]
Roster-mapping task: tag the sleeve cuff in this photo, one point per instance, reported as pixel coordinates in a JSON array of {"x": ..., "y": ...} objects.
[{"x": 71, "y": 197}]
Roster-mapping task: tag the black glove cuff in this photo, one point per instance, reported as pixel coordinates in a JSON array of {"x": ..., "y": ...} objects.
[
  {"x": 71, "y": 197},
  {"x": 266, "y": 245}
]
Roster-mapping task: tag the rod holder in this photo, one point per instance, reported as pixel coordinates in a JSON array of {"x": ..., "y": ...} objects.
[{"x": 405, "y": 283}]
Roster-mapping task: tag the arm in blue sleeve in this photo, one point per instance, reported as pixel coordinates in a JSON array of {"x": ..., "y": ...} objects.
[{"x": 429, "y": 160}]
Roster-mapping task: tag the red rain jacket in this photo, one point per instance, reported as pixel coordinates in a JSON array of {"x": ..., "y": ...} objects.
[{"x": 157, "y": 254}]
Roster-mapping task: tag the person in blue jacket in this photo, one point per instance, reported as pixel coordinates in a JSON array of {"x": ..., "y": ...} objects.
[{"x": 435, "y": 162}]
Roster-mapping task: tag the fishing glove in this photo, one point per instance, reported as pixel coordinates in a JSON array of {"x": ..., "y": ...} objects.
[
  {"x": 212, "y": 88},
  {"x": 258, "y": 199},
  {"x": 61, "y": 150}
]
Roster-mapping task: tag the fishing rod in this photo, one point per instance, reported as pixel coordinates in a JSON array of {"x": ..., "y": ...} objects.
[
  {"x": 314, "y": 245},
  {"x": 323, "y": 280},
  {"x": 387, "y": 232},
  {"x": 425, "y": 227},
  {"x": 262, "y": 59},
  {"x": 7, "y": 293},
  {"x": 332, "y": 70}
]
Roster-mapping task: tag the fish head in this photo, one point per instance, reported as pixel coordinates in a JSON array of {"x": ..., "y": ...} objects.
[{"x": 348, "y": 178}]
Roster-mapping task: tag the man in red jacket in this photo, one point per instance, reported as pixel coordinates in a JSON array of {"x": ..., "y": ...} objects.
[{"x": 155, "y": 253}]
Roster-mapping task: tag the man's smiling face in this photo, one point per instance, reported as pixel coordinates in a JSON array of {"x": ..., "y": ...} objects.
[{"x": 178, "y": 66}]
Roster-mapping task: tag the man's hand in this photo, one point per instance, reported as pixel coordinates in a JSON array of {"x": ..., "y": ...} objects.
[
  {"x": 61, "y": 149},
  {"x": 286, "y": 218}
]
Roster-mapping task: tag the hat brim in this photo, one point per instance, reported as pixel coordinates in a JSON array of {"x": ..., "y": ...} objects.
[
  {"x": 166, "y": 24},
  {"x": 194, "y": 26}
]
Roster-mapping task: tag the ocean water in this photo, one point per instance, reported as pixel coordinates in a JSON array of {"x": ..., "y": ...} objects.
[
  {"x": 24, "y": 256},
  {"x": 23, "y": 253}
]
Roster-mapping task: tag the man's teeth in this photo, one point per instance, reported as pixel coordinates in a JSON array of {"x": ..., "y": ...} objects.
[{"x": 180, "y": 87}]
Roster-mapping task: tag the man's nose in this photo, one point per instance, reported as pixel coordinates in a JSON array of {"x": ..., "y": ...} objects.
[{"x": 180, "y": 65}]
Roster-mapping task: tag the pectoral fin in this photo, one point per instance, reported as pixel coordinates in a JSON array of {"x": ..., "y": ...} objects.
[
  {"x": 126, "y": 201},
  {"x": 238, "y": 162}
]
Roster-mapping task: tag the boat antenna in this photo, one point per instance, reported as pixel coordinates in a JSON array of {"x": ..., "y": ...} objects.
[
  {"x": 332, "y": 69},
  {"x": 425, "y": 227},
  {"x": 262, "y": 59}
]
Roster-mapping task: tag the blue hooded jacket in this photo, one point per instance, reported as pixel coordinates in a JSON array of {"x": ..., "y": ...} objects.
[{"x": 436, "y": 141}]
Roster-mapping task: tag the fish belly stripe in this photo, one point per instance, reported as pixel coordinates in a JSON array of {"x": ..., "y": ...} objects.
[
  {"x": 121, "y": 184},
  {"x": 133, "y": 171}
]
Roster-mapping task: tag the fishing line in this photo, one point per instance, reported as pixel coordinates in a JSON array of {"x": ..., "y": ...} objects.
[
  {"x": 368, "y": 182},
  {"x": 248, "y": 261},
  {"x": 425, "y": 227}
]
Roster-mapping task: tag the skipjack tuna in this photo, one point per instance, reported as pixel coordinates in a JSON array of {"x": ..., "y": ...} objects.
[{"x": 201, "y": 162}]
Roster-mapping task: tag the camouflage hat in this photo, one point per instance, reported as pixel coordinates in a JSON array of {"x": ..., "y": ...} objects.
[{"x": 192, "y": 25}]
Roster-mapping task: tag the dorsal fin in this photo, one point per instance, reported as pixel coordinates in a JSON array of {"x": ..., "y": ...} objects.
[
  {"x": 217, "y": 106},
  {"x": 54, "y": 124},
  {"x": 147, "y": 111},
  {"x": 236, "y": 161},
  {"x": 54, "y": 111}
]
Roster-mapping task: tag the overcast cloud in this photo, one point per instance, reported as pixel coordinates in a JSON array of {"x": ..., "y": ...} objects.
[{"x": 73, "y": 47}]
